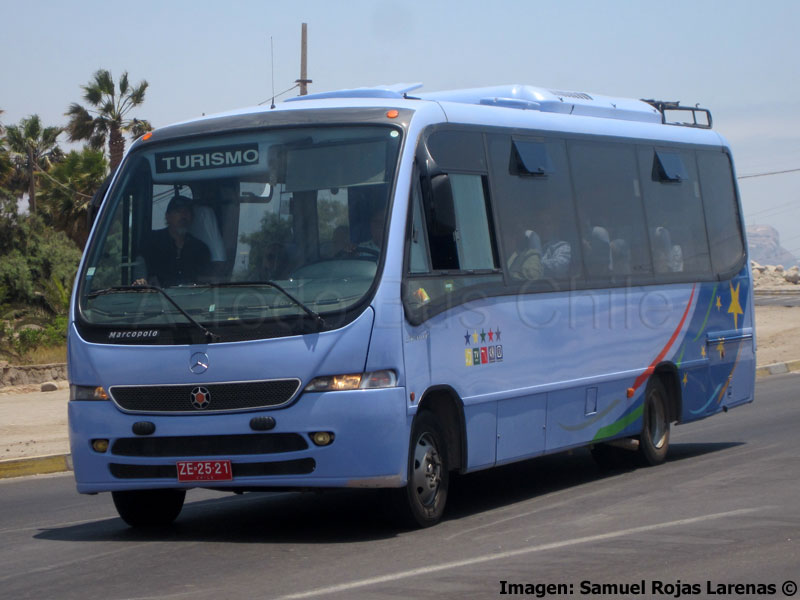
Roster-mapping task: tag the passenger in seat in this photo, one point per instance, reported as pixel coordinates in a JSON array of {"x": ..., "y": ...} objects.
[
  {"x": 556, "y": 253},
  {"x": 667, "y": 257},
  {"x": 525, "y": 261}
]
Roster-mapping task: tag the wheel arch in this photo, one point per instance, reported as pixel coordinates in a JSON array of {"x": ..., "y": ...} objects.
[
  {"x": 447, "y": 406},
  {"x": 668, "y": 374}
]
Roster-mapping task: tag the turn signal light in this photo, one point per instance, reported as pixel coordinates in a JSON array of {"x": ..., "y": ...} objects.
[
  {"x": 353, "y": 381},
  {"x": 87, "y": 392}
]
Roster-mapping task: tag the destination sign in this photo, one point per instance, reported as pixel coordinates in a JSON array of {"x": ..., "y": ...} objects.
[{"x": 199, "y": 159}]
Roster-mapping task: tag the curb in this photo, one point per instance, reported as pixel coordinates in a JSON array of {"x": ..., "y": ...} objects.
[
  {"x": 778, "y": 368},
  {"x": 35, "y": 465}
]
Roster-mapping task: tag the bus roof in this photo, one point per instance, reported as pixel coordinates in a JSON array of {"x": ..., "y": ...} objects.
[{"x": 532, "y": 107}]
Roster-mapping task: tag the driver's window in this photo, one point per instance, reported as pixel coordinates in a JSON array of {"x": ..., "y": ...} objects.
[{"x": 418, "y": 252}]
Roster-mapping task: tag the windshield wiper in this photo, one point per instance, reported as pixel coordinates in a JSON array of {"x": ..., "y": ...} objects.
[
  {"x": 211, "y": 337},
  {"x": 314, "y": 315}
]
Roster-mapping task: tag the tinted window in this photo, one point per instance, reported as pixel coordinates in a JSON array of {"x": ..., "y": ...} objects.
[
  {"x": 608, "y": 198},
  {"x": 674, "y": 212},
  {"x": 536, "y": 213},
  {"x": 669, "y": 166},
  {"x": 530, "y": 158},
  {"x": 722, "y": 212},
  {"x": 418, "y": 253},
  {"x": 457, "y": 150}
]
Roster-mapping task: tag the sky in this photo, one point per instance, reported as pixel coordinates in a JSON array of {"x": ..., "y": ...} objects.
[{"x": 738, "y": 58}]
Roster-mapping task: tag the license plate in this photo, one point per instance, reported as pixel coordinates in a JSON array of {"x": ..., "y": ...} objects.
[{"x": 204, "y": 470}]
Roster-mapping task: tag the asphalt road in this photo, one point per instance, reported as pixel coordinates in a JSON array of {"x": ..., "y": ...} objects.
[{"x": 724, "y": 509}]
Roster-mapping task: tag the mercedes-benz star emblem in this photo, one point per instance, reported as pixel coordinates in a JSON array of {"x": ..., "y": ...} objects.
[
  {"x": 201, "y": 398},
  {"x": 198, "y": 363}
]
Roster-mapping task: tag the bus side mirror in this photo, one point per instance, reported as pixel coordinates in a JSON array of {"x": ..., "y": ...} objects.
[{"x": 443, "y": 215}]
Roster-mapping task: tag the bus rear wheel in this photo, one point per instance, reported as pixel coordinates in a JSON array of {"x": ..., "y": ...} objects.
[
  {"x": 654, "y": 439},
  {"x": 149, "y": 508},
  {"x": 421, "y": 502}
]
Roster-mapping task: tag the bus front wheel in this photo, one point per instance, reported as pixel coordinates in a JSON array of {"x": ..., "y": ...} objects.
[
  {"x": 654, "y": 440},
  {"x": 149, "y": 508},
  {"x": 422, "y": 500}
]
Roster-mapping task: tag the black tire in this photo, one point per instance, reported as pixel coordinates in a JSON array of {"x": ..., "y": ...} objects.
[
  {"x": 421, "y": 502},
  {"x": 654, "y": 439},
  {"x": 149, "y": 508}
]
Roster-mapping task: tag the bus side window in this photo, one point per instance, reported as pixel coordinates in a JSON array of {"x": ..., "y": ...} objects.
[
  {"x": 674, "y": 213},
  {"x": 473, "y": 234},
  {"x": 609, "y": 201},
  {"x": 530, "y": 178},
  {"x": 418, "y": 253},
  {"x": 722, "y": 211}
]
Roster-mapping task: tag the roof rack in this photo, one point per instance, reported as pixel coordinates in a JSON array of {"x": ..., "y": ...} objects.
[
  {"x": 525, "y": 97},
  {"x": 663, "y": 106}
]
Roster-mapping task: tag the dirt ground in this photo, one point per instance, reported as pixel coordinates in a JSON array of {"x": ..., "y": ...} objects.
[
  {"x": 777, "y": 334},
  {"x": 34, "y": 423}
]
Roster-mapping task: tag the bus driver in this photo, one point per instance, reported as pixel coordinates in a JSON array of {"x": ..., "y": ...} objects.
[{"x": 172, "y": 255}]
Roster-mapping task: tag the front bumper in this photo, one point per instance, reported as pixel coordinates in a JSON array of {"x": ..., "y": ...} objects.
[{"x": 370, "y": 449}]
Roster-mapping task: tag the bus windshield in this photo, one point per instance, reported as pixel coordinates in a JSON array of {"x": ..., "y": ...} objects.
[{"x": 268, "y": 226}]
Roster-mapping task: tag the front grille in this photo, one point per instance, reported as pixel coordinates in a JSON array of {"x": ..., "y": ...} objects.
[
  {"x": 301, "y": 466},
  {"x": 210, "y": 445},
  {"x": 220, "y": 396}
]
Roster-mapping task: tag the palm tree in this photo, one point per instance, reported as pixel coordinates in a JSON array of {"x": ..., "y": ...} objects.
[
  {"x": 5, "y": 161},
  {"x": 33, "y": 148},
  {"x": 67, "y": 190},
  {"x": 107, "y": 116}
]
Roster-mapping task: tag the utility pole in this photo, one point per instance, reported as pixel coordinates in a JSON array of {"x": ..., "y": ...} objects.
[{"x": 304, "y": 81}]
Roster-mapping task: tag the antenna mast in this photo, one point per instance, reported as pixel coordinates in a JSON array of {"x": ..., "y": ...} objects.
[
  {"x": 304, "y": 81},
  {"x": 272, "y": 59}
]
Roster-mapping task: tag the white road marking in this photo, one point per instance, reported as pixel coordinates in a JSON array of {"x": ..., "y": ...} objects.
[{"x": 344, "y": 587}]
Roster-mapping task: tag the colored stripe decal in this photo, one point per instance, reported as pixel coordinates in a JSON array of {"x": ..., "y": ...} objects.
[
  {"x": 649, "y": 370},
  {"x": 680, "y": 357},
  {"x": 708, "y": 312},
  {"x": 730, "y": 376},
  {"x": 617, "y": 426},
  {"x": 710, "y": 400},
  {"x": 593, "y": 420}
]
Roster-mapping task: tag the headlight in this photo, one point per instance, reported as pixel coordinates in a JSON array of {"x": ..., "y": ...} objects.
[
  {"x": 87, "y": 392},
  {"x": 353, "y": 381}
]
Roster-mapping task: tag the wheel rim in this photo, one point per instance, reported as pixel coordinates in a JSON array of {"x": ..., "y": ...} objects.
[
  {"x": 427, "y": 474},
  {"x": 657, "y": 422}
]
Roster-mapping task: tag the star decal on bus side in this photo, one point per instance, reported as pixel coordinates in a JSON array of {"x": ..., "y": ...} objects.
[{"x": 735, "y": 308}]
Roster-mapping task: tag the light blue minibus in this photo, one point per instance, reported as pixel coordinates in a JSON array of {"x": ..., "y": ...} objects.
[{"x": 373, "y": 288}]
